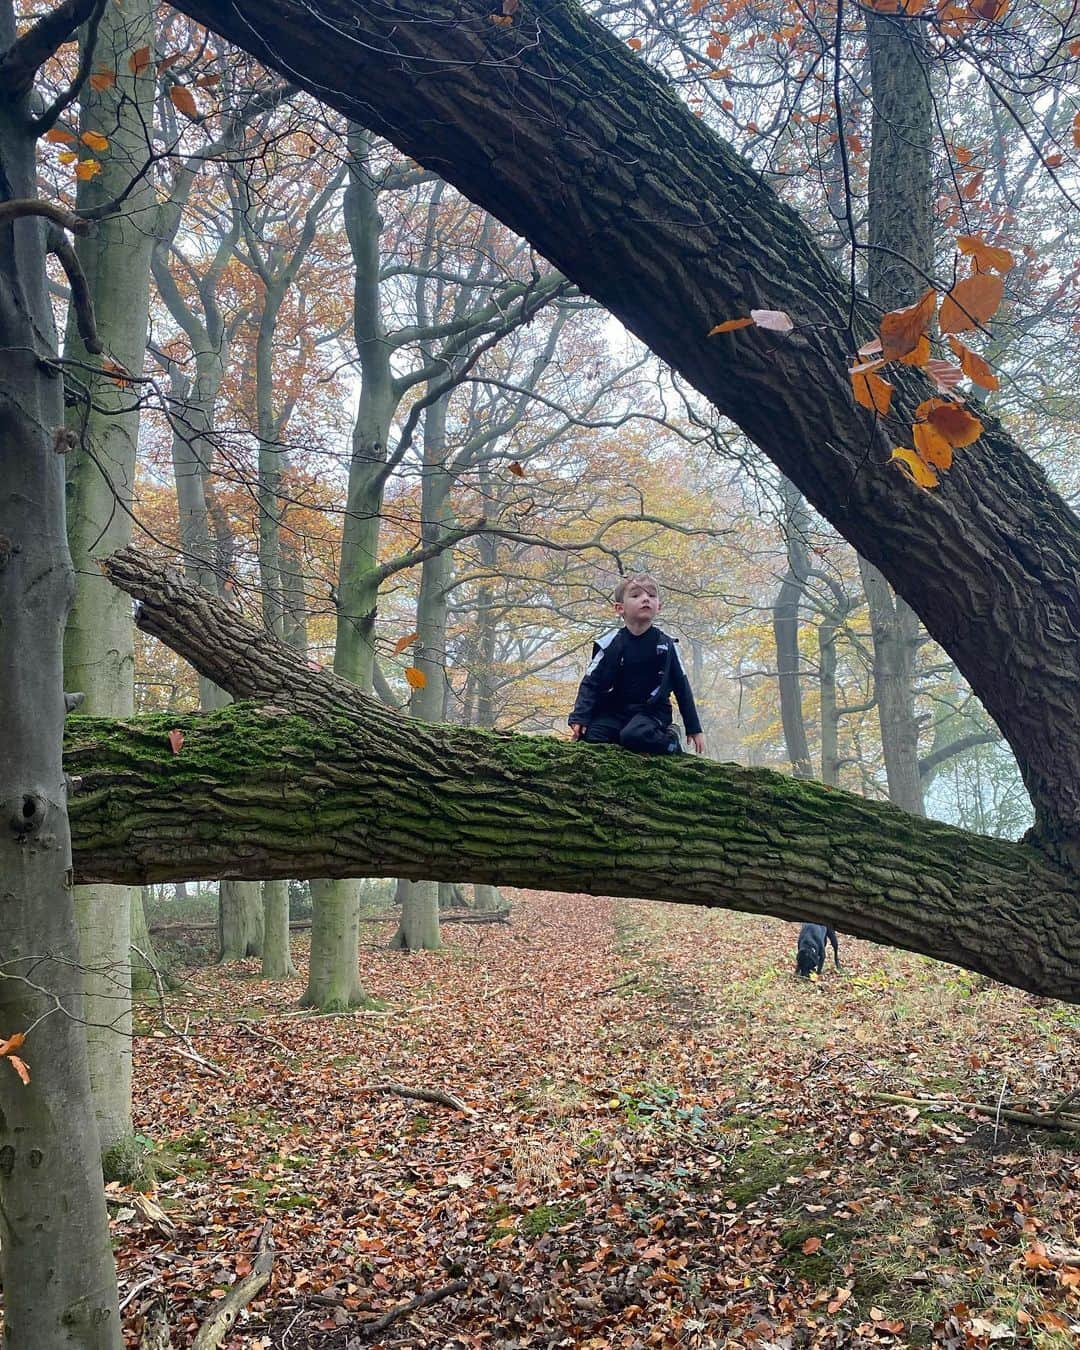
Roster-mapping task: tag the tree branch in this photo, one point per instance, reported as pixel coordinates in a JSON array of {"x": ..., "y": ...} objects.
[
  {"x": 21, "y": 62},
  {"x": 80, "y": 298}
]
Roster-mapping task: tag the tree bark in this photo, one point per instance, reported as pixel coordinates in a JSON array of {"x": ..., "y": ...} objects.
[
  {"x": 99, "y": 649},
  {"x": 563, "y": 133},
  {"x": 358, "y": 788},
  {"x": 785, "y": 619},
  {"x": 333, "y": 972},
  {"x": 240, "y": 920},
  {"x": 277, "y": 963},
  {"x": 55, "y": 1259}
]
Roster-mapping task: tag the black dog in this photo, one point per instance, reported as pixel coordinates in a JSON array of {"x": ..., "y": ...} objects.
[{"x": 810, "y": 955}]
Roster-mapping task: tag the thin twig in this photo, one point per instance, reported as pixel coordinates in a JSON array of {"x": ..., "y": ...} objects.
[{"x": 369, "y": 1329}]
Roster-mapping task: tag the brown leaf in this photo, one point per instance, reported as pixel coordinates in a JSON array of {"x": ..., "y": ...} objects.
[
  {"x": 20, "y": 1067},
  {"x": 920, "y": 474},
  {"x": 515, "y": 468},
  {"x": 139, "y": 60},
  {"x": 901, "y": 329},
  {"x": 416, "y": 678},
  {"x": 12, "y": 1043},
  {"x": 176, "y": 740},
  {"x": 94, "y": 141},
  {"x": 811, "y": 1245},
  {"x": 919, "y": 354},
  {"x": 87, "y": 168},
  {"x": 60, "y": 136},
  {"x": 971, "y": 302},
  {"x": 871, "y": 391},
  {"x": 958, "y": 426},
  {"x": 403, "y": 642},
  {"x": 184, "y": 100},
  {"x": 102, "y": 79}
]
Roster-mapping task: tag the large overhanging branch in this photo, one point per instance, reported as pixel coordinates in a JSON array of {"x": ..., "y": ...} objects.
[
  {"x": 552, "y": 124},
  {"x": 315, "y": 779}
]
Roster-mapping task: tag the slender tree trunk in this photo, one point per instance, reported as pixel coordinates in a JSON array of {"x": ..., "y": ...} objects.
[
  {"x": 334, "y": 974},
  {"x": 830, "y": 717},
  {"x": 55, "y": 1258},
  {"x": 786, "y": 610},
  {"x": 99, "y": 651},
  {"x": 277, "y": 963}
]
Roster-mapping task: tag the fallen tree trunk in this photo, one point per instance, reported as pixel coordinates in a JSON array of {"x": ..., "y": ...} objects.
[{"x": 320, "y": 781}]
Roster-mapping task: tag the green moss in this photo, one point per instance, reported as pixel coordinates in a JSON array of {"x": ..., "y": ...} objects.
[
  {"x": 130, "y": 1161},
  {"x": 819, "y": 1266},
  {"x": 544, "y": 1218}
]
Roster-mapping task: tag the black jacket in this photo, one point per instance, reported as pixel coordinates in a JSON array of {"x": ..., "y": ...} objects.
[{"x": 598, "y": 693}]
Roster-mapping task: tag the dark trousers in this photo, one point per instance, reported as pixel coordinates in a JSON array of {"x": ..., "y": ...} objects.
[{"x": 608, "y": 729}]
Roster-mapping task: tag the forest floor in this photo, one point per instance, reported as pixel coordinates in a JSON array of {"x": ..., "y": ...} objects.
[{"x": 669, "y": 1141}]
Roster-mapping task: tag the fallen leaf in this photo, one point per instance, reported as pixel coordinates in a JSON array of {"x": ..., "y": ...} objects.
[{"x": 811, "y": 1245}]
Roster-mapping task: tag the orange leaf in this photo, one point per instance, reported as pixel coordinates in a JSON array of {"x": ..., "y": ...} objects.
[
  {"x": 953, "y": 421},
  {"x": 986, "y": 257},
  {"x": 416, "y": 678},
  {"x": 919, "y": 473},
  {"x": 729, "y": 325},
  {"x": 60, "y": 136},
  {"x": 12, "y": 1043},
  {"x": 208, "y": 81},
  {"x": 990, "y": 10},
  {"x": 1076, "y": 131},
  {"x": 972, "y": 186},
  {"x": 515, "y": 468},
  {"x": 117, "y": 373},
  {"x": 19, "y": 1065},
  {"x": 403, "y": 642},
  {"x": 931, "y": 446},
  {"x": 176, "y": 740},
  {"x": 167, "y": 61},
  {"x": 102, "y": 79},
  {"x": 973, "y": 366},
  {"x": 773, "y": 319},
  {"x": 94, "y": 140},
  {"x": 919, "y": 354},
  {"x": 1035, "y": 1258},
  {"x": 139, "y": 60},
  {"x": 184, "y": 100},
  {"x": 901, "y": 328},
  {"x": 67, "y": 157},
  {"x": 86, "y": 169},
  {"x": 811, "y": 1245},
  {"x": 971, "y": 302},
  {"x": 634, "y": 44},
  {"x": 871, "y": 391}
]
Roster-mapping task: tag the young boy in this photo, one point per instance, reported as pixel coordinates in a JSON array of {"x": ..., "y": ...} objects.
[{"x": 625, "y": 696}]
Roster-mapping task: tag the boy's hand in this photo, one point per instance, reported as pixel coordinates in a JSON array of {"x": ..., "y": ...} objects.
[
  {"x": 576, "y": 731},
  {"x": 698, "y": 742}
]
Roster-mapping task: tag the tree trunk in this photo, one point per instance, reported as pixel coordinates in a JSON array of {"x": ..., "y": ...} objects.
[
  {"x": 361, "y": 789},
  {"x": 785, "y": 615},
  {"x": 277, "y": 963},
  {"x": 240, "y": 921},
  {"x": 55, "y": 1258},
  {"x": 333, "y": 973},
  {"x": 488, "y": 898},
  {"x": 573, "y": 141},
  {"x": 830, "y": 716},
  {"x": 419, "y": 928},
  {"x": 99, "y": 649}
]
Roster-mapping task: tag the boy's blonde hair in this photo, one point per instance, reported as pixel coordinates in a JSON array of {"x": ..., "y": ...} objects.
[{"x": 626, "y": 582}]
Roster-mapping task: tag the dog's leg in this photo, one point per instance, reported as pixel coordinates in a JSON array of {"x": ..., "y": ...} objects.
[{"x": 830, "y": 933}]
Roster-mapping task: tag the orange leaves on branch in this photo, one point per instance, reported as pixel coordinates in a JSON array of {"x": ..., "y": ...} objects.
[
  {"x": 184, "y": 101},
  {"x": 634, "y": 44},
  {"x": 919, "y": 473},
  {"x": 416, "y": 678},
  {"x": 971, "y": 302},
  {"x": 403, "y": 642},
  {"x": 973, "y": 366},
  {"x": 931, "y": 446},
  {"x": 870, "y": 390},
  {"x": 116, "y": 372},
  {"x": 60, "y": 136},
  {"x": 990, "y": 10},
  {"x": 93, "y": 140},
  {"x": 67, "y": 157},
  {"x": 986, "y": 257},
  {"x": 901, "y": 329},
  {"x": 86, "y": 169},
  {"x": 952, "y": 420},
  {"x": 6, "y": 1051}
]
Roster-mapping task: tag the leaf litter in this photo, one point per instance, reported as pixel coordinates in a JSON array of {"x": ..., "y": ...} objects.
[{"x": 670, "y": 1141}]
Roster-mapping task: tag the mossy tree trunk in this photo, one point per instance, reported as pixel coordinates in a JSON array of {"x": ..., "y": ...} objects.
[
  {"x": 359, "y": 788},
  {"x": 587, "y": 153}
]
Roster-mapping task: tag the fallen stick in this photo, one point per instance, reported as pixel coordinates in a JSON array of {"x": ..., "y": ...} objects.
[
  {"x": 1033, "y": 1118},
  {"x": 213, "y": 1331},
  {"x": 368, "y": 1329},
  {"x": 421, "y": 1095}
]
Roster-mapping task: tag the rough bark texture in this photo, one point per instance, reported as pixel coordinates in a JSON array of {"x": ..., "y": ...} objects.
[
  {"x": 563, "y": 133},
  {"x": 358, "y": 788},
  {"x": 55, "y": 1259}
]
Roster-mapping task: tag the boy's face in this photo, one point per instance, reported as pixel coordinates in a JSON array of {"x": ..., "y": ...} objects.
[{"x": 639, "y": 606}]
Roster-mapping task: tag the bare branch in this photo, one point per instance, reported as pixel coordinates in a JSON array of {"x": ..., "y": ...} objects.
[
  {"x": 81, "y": 298},
  {"x": 25, "y": 57}
]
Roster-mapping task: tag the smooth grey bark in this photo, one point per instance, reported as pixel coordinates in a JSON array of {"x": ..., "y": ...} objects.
[
  {"x": 333, "y": 972},
  {"x": 240, "y": 920},
  {"x": 277, "y": 962},
  {"x": 560, "y": 131},
  {"x": 785, "y": 620},
  {"x": 52, "y": 1204},
  {"x": 351, "y": 785},
  {"x": 99, "y": 649},
  {"x": 901, "y": 255}
]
